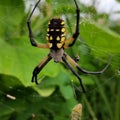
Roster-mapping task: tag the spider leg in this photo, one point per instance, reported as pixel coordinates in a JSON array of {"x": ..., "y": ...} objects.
[
  {"x": 73, "y": 71},
  {"x": 33, "y": 42},
  {"x": 40, "y": 66},
  {"x": 85, "y": 71},
  {"x": 71, "y": 41}
]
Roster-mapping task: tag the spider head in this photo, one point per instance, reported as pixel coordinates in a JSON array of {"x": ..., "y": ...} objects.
[{"x": 56, "y": 23}]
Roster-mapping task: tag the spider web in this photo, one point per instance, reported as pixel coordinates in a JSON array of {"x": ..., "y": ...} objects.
[{"x": 93, "y": 48}]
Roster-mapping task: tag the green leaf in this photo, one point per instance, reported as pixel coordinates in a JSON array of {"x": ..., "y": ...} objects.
[
  {"x": 100, "y": 39},
  {"x": 20, "y": 60},
  {"x": 44, "y": 92},
  {"x": 11, "y": 14},
  {"x": 29, "y": 104},
  {"x": 67, "y": 92},
  {"x": 5, "y": 111}
]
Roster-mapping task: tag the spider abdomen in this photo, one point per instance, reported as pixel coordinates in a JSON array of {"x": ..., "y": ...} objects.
[{"x": 56, "y": 33}]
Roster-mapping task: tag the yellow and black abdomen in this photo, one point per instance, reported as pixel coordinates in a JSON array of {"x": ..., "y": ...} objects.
[{"x": 56, "y": 33}]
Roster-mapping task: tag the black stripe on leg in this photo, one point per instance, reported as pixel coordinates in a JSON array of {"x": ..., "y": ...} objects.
[
  {"x": 95, "y": 72},
  {"x": 73, "y": 71},
  {"x": 39, "y": 68}
]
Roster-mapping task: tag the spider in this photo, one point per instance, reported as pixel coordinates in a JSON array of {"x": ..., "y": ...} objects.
[{"x": 57, "y": 42}]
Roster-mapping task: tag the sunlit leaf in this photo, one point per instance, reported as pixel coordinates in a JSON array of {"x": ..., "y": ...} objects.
[
  {"x": 20, "y": 60},
  {"x": 100, "y": 39}
]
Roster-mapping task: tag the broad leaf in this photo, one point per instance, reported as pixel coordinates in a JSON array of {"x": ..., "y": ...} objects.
[{"x": 100, "y": 39}]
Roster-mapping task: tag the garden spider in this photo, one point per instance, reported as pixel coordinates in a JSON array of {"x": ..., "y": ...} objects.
[{"x": 57, "y": 42}]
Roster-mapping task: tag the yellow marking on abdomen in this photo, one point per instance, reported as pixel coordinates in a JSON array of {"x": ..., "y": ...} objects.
[
  {"x": 63, "y": 39},
  {"x": 58, "y": 38},
  {"x": 51, "y": 29},
  {"x": 51, "y": 38},
  {"x": 47, "y": 38},
  {"x": 59, "y": 45},
  {"x": 63, "y": 30},
  {"x": 47, "y": 29},
  {"x": 50, "y": 45},
  {"x": 57, "y": 30},
  {"x": 62, "y": 23}
]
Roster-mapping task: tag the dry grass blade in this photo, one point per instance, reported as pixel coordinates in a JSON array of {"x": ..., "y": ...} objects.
[{"x": 76, "y": 112}]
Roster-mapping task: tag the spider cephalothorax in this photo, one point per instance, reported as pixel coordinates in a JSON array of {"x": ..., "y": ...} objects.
[{"x": 57, "y": 42}]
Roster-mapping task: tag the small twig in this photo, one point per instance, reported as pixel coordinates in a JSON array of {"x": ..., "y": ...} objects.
[{"x": 10, "y": 97}]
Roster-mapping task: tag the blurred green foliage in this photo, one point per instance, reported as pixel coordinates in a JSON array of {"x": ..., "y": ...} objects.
[{"x": 59, "y": 90}]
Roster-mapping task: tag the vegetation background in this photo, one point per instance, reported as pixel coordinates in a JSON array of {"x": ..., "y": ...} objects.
[{"x": 59, "y": 89}]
